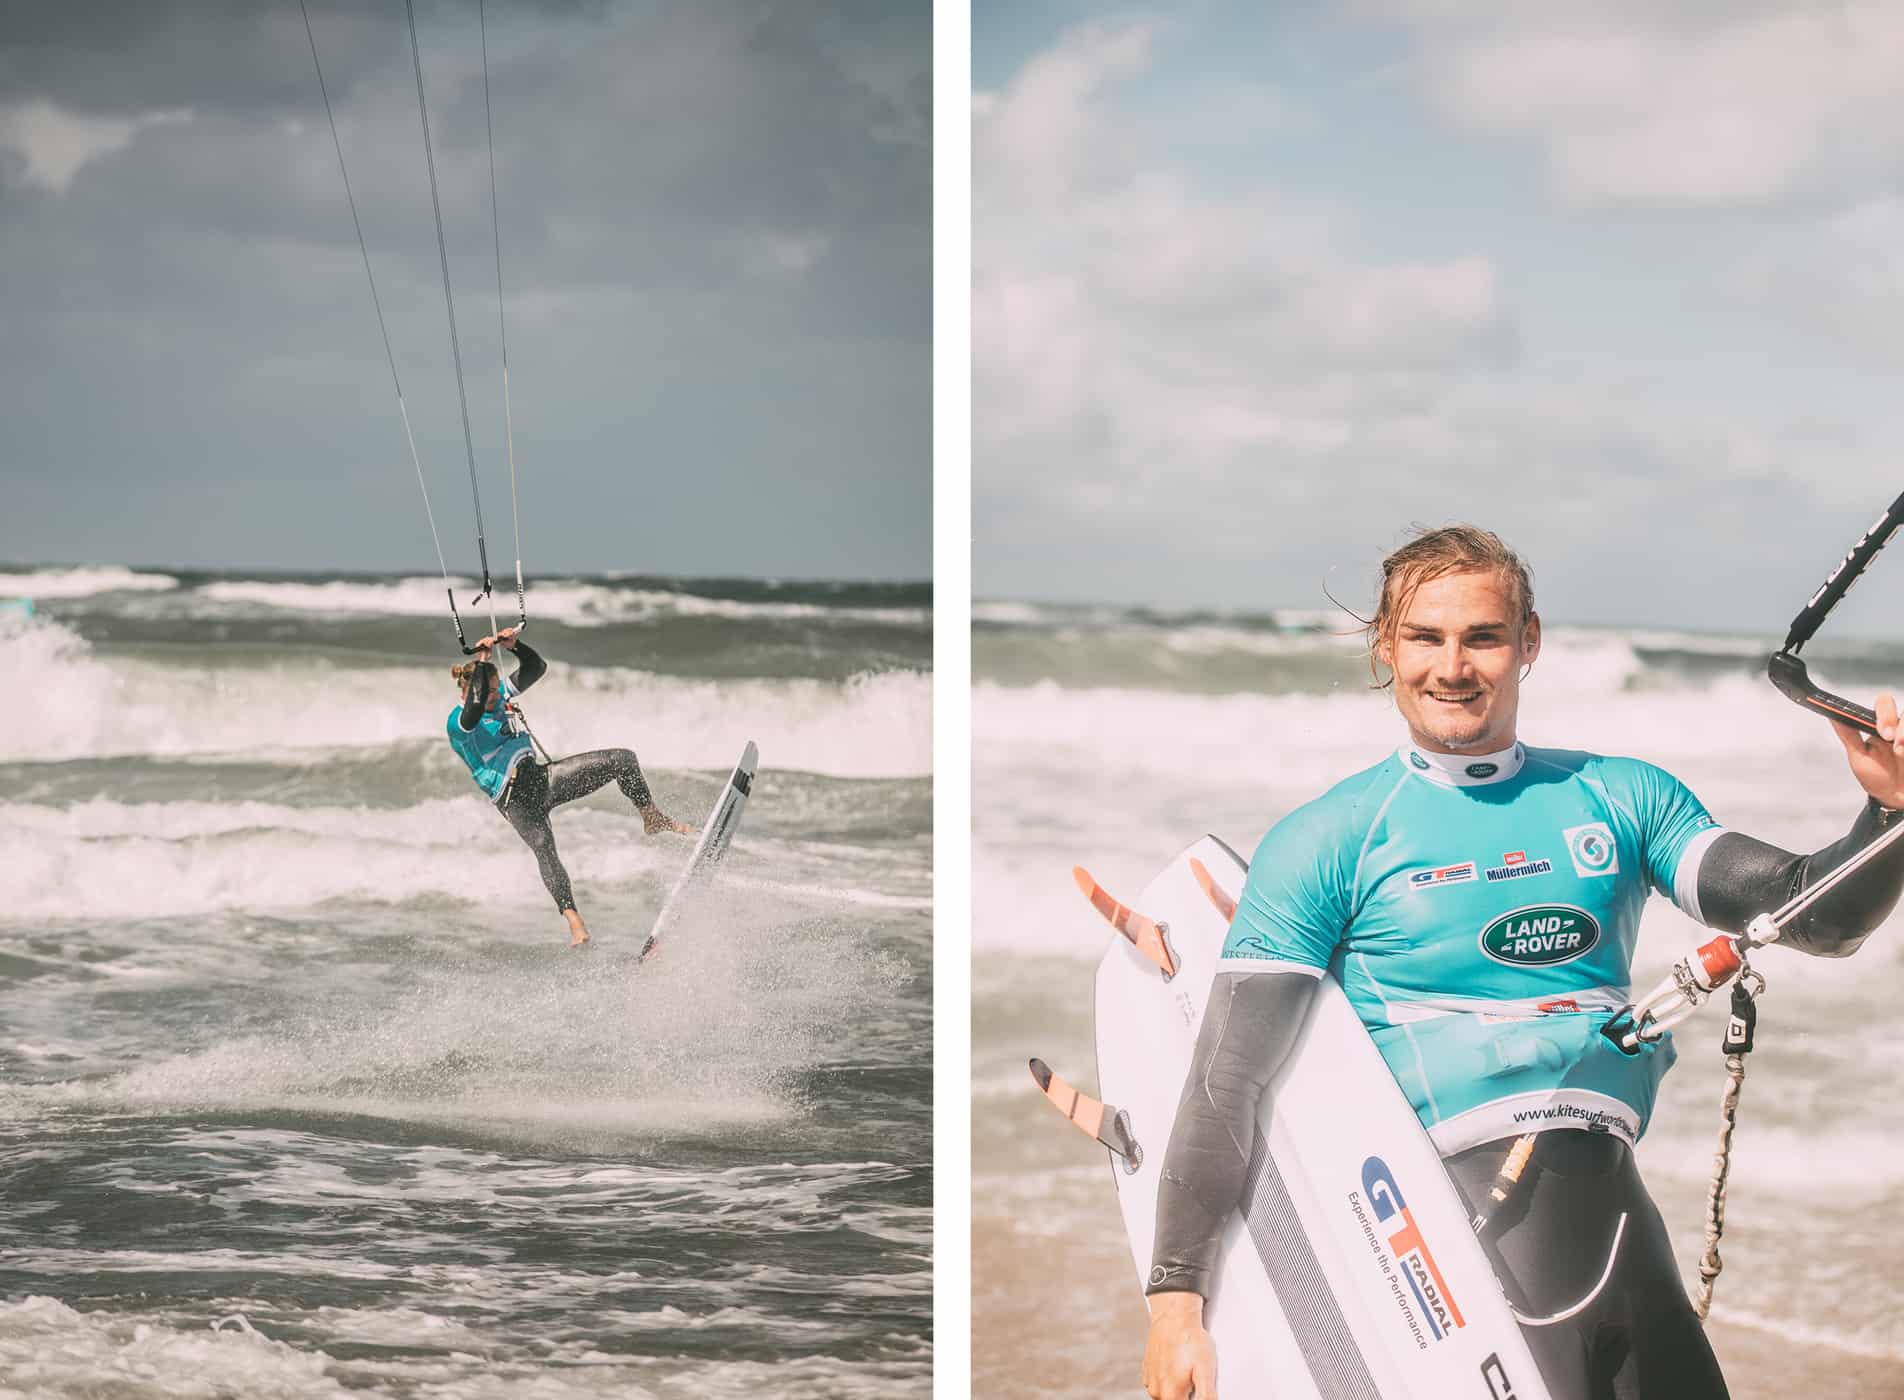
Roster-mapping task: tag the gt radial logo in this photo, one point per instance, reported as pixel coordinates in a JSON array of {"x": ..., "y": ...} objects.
[
  {"x": 1442, "y": 875},
  {"x": 1540, "y": 934},
  {"x": 1411, "y": 1250}
]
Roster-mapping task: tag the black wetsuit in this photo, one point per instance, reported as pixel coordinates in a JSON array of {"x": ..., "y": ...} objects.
[
  {"x": 536, "y": 788},
  {"x": 1579, "y": 1245}
]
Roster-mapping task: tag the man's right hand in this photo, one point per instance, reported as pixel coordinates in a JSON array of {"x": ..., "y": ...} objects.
[{"x": 1179, "y": 1356}]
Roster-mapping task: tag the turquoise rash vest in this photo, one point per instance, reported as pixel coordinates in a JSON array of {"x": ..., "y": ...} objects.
[
  {"x": 493, "y": 748},
  {"x": 1481, "y": 913}
]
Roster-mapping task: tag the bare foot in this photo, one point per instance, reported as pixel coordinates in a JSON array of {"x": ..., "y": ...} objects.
[
  {"x": 653, "y": 819},
  {"x": 578, "y": 931}
]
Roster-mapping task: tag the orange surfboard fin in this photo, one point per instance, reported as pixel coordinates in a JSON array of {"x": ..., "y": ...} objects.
[
  {"x": 1146, "y": 935},
  {"x": 1103, "y": 1124},
  {"x": 1213, "y": 891}
]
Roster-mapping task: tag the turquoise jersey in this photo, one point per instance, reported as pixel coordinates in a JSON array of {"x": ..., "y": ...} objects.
[
  {"x": 1481, "y": 914},
  {"x": 493, "y": 748}
]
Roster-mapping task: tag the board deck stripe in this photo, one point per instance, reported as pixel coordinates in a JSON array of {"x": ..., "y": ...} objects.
[{"x": 1322, "y": 1333}]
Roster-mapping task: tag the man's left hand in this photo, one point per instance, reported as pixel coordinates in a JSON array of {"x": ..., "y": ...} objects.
[{"x": 1877, "y": 763}]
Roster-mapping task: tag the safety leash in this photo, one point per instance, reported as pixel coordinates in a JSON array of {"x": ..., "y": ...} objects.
[{"x": 1738, "y": 1043}]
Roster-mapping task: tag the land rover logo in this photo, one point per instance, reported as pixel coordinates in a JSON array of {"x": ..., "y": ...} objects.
[
  {"x": 1418, "y": 761},
  {"x": 1540, "y": 934},
  {"x": 1483, "y": 770}
]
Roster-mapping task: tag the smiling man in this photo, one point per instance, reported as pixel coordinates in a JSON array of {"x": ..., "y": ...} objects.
[{"x": 1479, "y": 901}]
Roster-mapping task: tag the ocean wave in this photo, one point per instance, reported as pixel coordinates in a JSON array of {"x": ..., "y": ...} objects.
[
  {"x": 710, "y": 1036},
  {"x": 56, "y": 1350},
  {"x": 81, "y": 582},
  {"x": 114, "y": 860},
  {"x": 107, "y": 860},
  {"x": 77, "y": 704},
  {"x": 1214, "y": 655},
  {"x": 575, "y": 604}
]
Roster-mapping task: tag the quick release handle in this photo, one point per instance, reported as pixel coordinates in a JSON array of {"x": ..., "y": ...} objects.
[
  {"x": 1789, "y": 675},
  {"x": 1838, "y": 582}
]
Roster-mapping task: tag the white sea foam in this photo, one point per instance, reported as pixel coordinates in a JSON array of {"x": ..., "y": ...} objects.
[
  {"x": 80, "y": 582},
  {"x": 103, "y": 859},
  {"x": 1012, "y": 614},
  {"x": 50, "y": 1351},
  {"x": 409, "y": 597},
  {"x": 1212, "y": 639},
  {"x": 576, "y": 604},
  {"x": 707, "y": 1037},
  {"x": 70, "y": 703}
]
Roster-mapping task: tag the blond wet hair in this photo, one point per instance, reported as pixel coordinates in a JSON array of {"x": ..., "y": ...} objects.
[{"x": 1436, "y": 553}]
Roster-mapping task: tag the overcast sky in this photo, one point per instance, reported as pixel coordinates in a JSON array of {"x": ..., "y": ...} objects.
[
  {"x": 716, "y": 266},
  {"x": 1258, "y": 286}
]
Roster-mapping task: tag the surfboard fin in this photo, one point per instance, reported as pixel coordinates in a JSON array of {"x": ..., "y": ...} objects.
[
  {"x": 1147, "y": 936},
  {"x": 1101, "y": 1122},
  {"x": 1212, "y": 890}
]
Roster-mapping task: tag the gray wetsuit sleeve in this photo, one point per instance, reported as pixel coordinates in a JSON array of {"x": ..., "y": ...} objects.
[
  {"x": 1742, "y": 877},
  {"x": 1249, "y": 1028},
  {"x": 530, "y": 667}
]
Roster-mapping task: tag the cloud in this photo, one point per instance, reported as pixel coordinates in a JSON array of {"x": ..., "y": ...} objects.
[
  {"x": 1126, "y": 319},
  {"x": 1190, "y": 385},
  {"x": 1696, "y": 106},
  {"x": 1838, "y": 280},
  {"x": 716, "y": 257},
  {"x": 57, "y": 144}
]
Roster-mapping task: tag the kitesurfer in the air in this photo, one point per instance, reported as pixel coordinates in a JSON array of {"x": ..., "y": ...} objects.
[
  {"x": 1479, "y": 901},
  {"x": 501, "y": 757}
]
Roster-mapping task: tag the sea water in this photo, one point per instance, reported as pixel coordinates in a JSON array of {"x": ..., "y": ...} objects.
[{"x": 302, "y": 1093}]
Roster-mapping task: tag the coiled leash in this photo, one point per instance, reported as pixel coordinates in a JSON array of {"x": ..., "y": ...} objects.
[
  {"x": 1738, "y": 1042},
  {"x": 1714, "y": 964}
]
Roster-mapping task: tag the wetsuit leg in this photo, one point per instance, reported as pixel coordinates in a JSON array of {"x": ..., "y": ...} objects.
[
  {"x": 582, "y": 773},
  {"x": 527, "y": 810},
  {"x": 1605, "y": 1320}
]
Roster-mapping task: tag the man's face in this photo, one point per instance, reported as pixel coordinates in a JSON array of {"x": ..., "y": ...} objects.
[{"x": 1457, "y": 655}]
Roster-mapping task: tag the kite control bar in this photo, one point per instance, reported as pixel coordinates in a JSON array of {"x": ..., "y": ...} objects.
[{"x": 1788, "y": 672}]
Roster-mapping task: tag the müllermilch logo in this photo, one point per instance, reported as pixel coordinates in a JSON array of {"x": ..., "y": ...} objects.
[
  {"x": 1516, "y": 866},
  {"x": 1411, "y": 1250},
  {"x": 1539, "y": 934}
]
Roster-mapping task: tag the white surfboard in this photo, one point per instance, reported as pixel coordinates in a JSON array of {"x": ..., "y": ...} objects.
[
  {"x": 1353, "y": 1274},
  {"x": 716, "y": 832}
]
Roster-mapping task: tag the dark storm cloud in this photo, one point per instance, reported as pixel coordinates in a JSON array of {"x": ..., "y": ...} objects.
[{"x": 715, "y": 227}]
